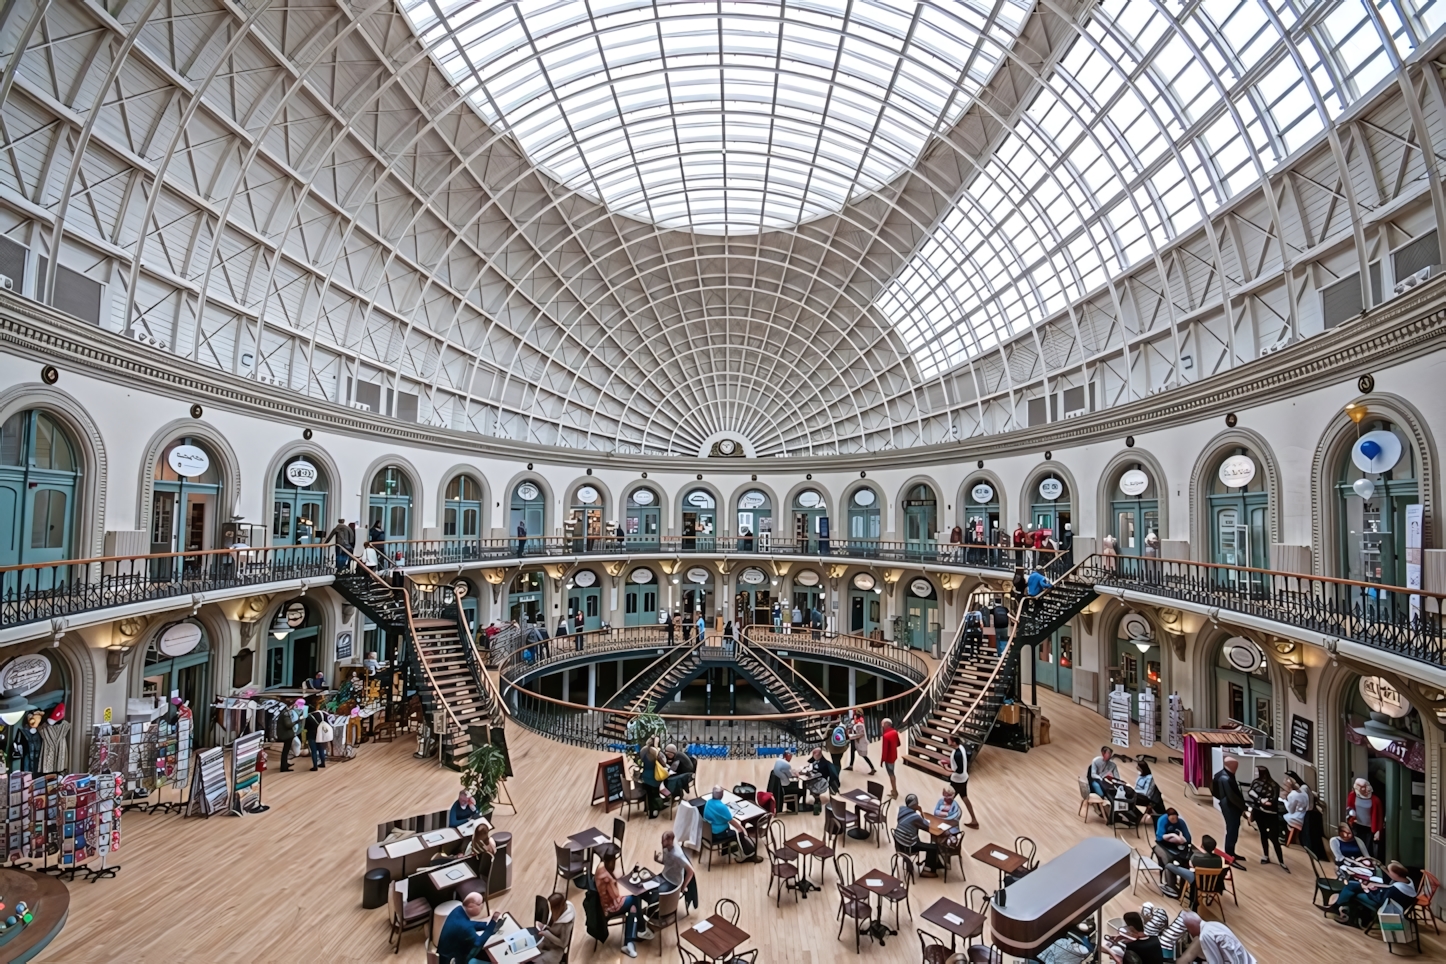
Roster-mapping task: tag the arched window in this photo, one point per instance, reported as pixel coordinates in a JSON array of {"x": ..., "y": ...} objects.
[
  {"x": 921, "y": 516},
  {"x": 1239, "y": 509},
  {"x": 298, "y": 503},
  {"x": 390, "y": 504},
  {"x": 921, "y": 613},
  {"x": 585, "y": 522},
  {"x": 810, "y": 521},
  {"x": 1050, "y": 504},
  {"x": 863, "y": 518},
  {"x": 755, "y": 520},
  {"x": 39, "y": 480},
  {"x": 981, "y": 513},
  {"x": 524, "y": 597},
  {"x": 188, "y": 498},
  {"x": 699, "y": 521},
  {"x": 1374, "y": 495},
  {"x": 1243, "y": 691},
  {"x": 528, "y": 516},
  {"x": 462, "y": 509},
  {"x": 640, "y": 602}
]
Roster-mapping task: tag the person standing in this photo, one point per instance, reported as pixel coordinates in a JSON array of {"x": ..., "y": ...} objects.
[
  {"x": 889, "y": 755},
  {"x": 345, "y": 540},
  {"x": 702, "y": 628},
  {"x": 777, "y": 617},
  {"x": 797, "y": 618},
  {"x": 316, "y": 729},
  {"x": 1226, "y": 792},
  {"x": 728, "y": 636},
  {"x": 578, "y": 628},
  {"x": 1366, "y": 816},
  {"x": 838, "y": 743},
  {"x": 1266, "y": 810},
  {"x": 671, "y": 629},
  {"x": 1066, "y": 545},
  {"x": 959, "y": 776},
  {"x": 687, "y": 629},
  {"x": 521, "y": 536},
  {"x": 859, "y": 742},
  {"x": 1001, "y": 625},
  {"x": 286, "y": 733}
]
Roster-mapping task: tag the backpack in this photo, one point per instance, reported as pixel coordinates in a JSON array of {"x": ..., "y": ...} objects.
[
  {"x": 323, "y": 731},
  {"x": 839, "y": 738}
]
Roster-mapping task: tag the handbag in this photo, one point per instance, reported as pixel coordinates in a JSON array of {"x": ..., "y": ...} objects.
[
  {"x": 323, "y": 732},
  {"x": 660, "y": 772},
  {"x": 296, "y": 746}
]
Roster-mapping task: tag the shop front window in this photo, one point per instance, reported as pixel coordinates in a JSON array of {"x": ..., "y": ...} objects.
[{"x": 298, "y": 503}]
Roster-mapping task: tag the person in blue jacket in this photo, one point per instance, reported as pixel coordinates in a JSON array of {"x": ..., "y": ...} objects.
[
  {"x": 462, "y": 937},
  {"x": 463, "y": 810}
]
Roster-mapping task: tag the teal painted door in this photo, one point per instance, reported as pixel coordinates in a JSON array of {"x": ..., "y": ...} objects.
[
  {"x": 863, "y": 612},
  {"x": 921, "y": 622},
  {"x": 588, "y": 602},
  {"x": 1134, "y": 520},
  {"x": 640, "y": 604}
]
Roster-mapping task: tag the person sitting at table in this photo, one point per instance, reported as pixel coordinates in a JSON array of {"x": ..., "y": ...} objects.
[
  {"x": 1172, "y": 839},
  {"x": 1206, "y": 859},
  {"x": 1147, "y": 792},
  {"x": 948, "y": 806},
  {"x": 1134, "y": 946},
  {"x": 1359, "y": 900},
  {"x": 819, "y": 777},
  {"x": 727, "y": 827},
  {"x": 481, "y": 842},
  {"x": 463, "y": 934},
  {"x": 614, "y": 903},
  {"x": 554, "y": 935},
  {"x": 1348, "y": 850},
  {"x": 680, "y": 767},
  {"x": 908, "y": 825},
  {"x": 783, "y": 778},
  {"x": 464, "y": 809},
  {"x": 1103, "y": 771},
  {"x": 677, "y": 870}
]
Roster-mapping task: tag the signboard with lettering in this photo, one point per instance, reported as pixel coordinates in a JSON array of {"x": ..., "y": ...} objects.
[
  {"x": 25, "y": 673},
  {"x": 343, "y": 646},
  {"x": 1302, "y": 736},
  {"x": 301, "y": 473},
  {"x": 607, "y": 788},
  {"x": 188, "y": 460},
  {"x": 179, "y": 639},
  {"x": 1382, "y": 697}
]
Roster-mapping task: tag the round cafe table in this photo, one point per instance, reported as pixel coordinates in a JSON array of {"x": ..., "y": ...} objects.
[{"x": 46, "y": 898}]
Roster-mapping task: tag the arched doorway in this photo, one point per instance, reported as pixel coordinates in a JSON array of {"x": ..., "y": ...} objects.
[
  {"x": 810, "y": 522},
  {"x": 44, "y": 680},
  {"x": 981, "y": 519},
  {"x": 187, "y": 501},
  {"x": 640, "y": 605},
  {"x": 1054, "y": 661},
  {"x": 808, "y": 597},
  {"x": 921, "y": 614},
  {"x": 1135, "y": 510},
  {"x": 699, "y": 521},
  {"x": 753, "y": 602},
  {"x": 697, "y": 597},
  {"x": 524, "y": 597},
  {"x": 528, "y": 517},
  {"x": 293, "y": 646},
  {"x": 178, "y": 662},
  {"x": 462, "y": 509},
  {"x": 1051, "y": 508},
  {"x": 1376, "y": 486},
  {"x": 865, "y": 604},
  {"x": 1136, "y": 664},
  {"x": 1239, "y": 512},
  {"x": 39, "y": 480},
  {"x": 643, "y": 524},
  {"x": 755, "y": 521},
  {"x": 921, "y": 518},
  {"x": 863, "y": 520},
  {"x": 298, "y": 503},
  {"x": 1243, "y": 690},
  {"x": 584, "y": 599},
  {"x": 390, "y": 505},
  {"x": 585, "y": 522},
  {"x": 1385, "y": 743}
]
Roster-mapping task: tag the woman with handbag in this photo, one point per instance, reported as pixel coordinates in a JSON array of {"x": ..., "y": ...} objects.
[
  {"x": 652, "y": 764},
  {"x": 318, "y": 735}
]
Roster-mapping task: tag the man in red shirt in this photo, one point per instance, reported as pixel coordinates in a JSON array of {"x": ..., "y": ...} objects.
[{"x": 890, "y": 755}]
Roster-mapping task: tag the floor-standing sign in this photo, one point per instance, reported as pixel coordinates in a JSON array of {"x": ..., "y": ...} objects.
[
  {"x": 1120, "y": 716},
  {"x": 1147, "y": 717},
  {"x": 1175, "y": 723},
  {"x": 1413, "y": 558}
]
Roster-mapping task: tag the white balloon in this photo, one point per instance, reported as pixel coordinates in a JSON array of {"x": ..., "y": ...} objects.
[{"x": 1365, "y": 488}]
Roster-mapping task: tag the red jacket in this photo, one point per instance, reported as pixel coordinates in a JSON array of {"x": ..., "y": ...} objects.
[
  {"x": 1378, "y": 817},
  {"x": 890, "y": 741}
]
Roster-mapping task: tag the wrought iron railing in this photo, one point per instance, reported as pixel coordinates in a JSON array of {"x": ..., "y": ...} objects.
[
  {"x": 881, "y": 654},
  {"x": 46, "y": 590}
]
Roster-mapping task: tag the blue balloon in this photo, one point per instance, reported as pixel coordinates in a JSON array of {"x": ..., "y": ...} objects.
[{"x": 1370, "y": 448}]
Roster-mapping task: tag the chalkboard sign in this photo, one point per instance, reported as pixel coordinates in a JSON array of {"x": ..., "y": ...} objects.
[
  {"x": 607, "y": 789},
  {"x": 1302, "y": 736}
]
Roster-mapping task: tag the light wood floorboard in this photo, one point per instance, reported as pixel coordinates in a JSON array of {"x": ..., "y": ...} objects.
[{"x": 286, "y": 885}]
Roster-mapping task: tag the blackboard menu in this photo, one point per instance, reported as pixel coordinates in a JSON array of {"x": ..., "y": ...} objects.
[
  {"x": 607, "y": 789},
  {"x": 1302, "y": 736}
]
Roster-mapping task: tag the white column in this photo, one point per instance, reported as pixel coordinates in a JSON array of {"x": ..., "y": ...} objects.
[
  {"x": 592, "y": 684},
  {"x": 566, "y": 686},
  {"x": 853, "y": 685}
]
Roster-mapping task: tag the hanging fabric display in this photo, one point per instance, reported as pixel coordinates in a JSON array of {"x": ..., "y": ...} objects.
[
  {"x": 1175, "y": 724},
  {"x": 1147, "y": 717},
  {"x": 1119, "y": 716}
]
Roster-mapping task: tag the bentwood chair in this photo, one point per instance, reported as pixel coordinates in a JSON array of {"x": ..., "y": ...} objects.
[
  {"x": 852, "y": 907},
  {"x": 727, "y": 909},
  {"x": 933, "y": 950},
  {"x": 902, "y": 867},
  {"x": 781, "y": 870}
]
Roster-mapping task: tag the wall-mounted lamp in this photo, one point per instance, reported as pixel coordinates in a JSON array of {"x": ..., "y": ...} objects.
[{"x": 279, "y": 629}]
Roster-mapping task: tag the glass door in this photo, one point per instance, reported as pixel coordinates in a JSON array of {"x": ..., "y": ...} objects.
[
  {"x": 588, "y": 603},
  {"x": 863, "y": 612},
  {"x": 640, "y": 604}
]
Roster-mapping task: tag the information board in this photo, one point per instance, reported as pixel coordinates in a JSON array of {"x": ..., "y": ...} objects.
[
  {"x": 1302, "y": 736},
  {"x": 1119, "y": 716},
  {"x": 607, "y": 789}
]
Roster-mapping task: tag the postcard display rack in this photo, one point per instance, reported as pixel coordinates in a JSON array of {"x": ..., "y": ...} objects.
[
  {"x": 72, "y": 819},
  {"x": 152, "y": 757},
  {"x": 245, "y": 775}
]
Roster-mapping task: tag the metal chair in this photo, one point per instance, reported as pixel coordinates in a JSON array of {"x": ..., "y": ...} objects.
[
  {"x": 932, "y": 950},
  {"x": 712, "y": 846},
  {"x": 1027, "y": 849},
  {"x": 773, "y": 832},
  {"x": 839, "y": 821},
  {"x": 634, "y": 797},
  {"x": 875, "y": 790},
  {"x": 1144, "y": 864},
  {"x": 902, "y": 867},
  {"x": 976, "y": 898},
  {"x": 876, "y": 821},
  {"x": 852, "y": 907},
  {"x": 1325, "y": 888},
  {"x": 569, "y": 865},
  {"x": 951, "y": 848},
  {"x": 1420, "y": 912},
  {"x": 727, "y": 909},
  {"x": 781, "y": 870},
  {"x": 614, "y": 849}
]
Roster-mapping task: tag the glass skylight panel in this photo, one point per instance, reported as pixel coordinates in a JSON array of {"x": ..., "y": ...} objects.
[{"x": 696, "y": 80}]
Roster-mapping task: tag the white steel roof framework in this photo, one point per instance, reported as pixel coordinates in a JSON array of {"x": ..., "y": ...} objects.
[{"x": 822, "y": 227}]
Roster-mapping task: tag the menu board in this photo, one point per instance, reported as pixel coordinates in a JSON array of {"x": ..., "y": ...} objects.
[
  {"x": 607, "y": 788},
  {"x": 208, "y": 786},
  {"x": 1147, "y": 717},
  {"x": 1302, "y": 736}
]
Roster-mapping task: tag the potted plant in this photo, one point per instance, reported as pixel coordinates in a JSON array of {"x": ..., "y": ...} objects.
[
  {"x": 640, "y": 727},
  {"x": 486, "y": 767}
]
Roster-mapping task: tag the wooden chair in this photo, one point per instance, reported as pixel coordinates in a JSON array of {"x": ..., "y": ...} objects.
[
  {"x": 1090, "y": 799},
  {"x": 1420, "y": 912},
  {"x": 1144, "y": 864},
  {"x": 839, "y": 821},
  {"x": 570, "y": 864},
  {"x": 977, "y": 899},
  {"x": 854, "y": 908},
  {"x": 727, "y": 909},
  {"x": 781, "y": 870},
  {"x": 711, "y": 845},
  {"x": 384, "y": 730},
  {"x": 876, "y": 822},
  {"x": 843, "y": 869},
  {"x": 634, "y": 797},
  {"x": 1326, "y": 887},
  {"x": 932, "y": 950},
  {"x": 951, "y": 848},
  {"x": 1209, "y": 889},
  {"x": 620, "y": 829},
  {"x": 406, "y": 914},
  {"x": 663, "y": 913},
  {"x": 901, "y": 867},
  {"x": 773, "y": 832}
]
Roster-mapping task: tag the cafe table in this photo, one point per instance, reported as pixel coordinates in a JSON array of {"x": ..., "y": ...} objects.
[
  {"x": 715, "y": 937},
  {"x": 879, "y": 884},
  {"x": 646, "y": 883},
  {"x": 407, "y": 850},
  {"x": 1000, "y": 858},
  {"x": 808, "y": 846},
  {"x": 939, "y": 827},
  {"x": 447, "y": 876},
  {"x": 589, "y": 839},
  {"x": 955, "y": 918},
  {"x": 496, "y": 946},
  {"x": 862, "y": 802}
]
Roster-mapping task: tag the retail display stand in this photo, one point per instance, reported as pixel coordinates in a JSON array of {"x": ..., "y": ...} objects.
[
  {"x": 245, "y": 778},
  {"x": 208, "y": 783}
]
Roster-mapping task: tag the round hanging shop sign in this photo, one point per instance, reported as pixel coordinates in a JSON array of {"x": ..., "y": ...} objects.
[
  {"x": 180, "y": 639},
  {"x": 295, "y": 614},
  {"x": 753, "y": 577},
  {"x": 584, "y": 578},
  {"x": 1051, "y": 489},
  {"x": 922, "y": 588},
  {"x": 982, "y": 494},
  {"x": 586, "y": 495},
  {"x": 699, "y": 575},
  {"x": 25, "y": 673},
  {"x": 752, "y": 500},
  {"x": 188, "y": 460},
  {"x": 809, "y": 499},
  {"x": 806, "y": 578},
  {"x": 301, "y": 473},
  {"x": 527, "y": 492},
  {"x": 1237, "y": 471},
  {"x": 1243, "y": 655},
  {"x": 1134, "y": 482},
  {"x": 642, "y": 497},
  {"x": 700, "y": 499},
  {"x": 1135, "y": 626},
  {"x": 641, "y": 576},
  {"x": 1377, "y": 451},
  {"x": 864, "y": 497},
  {"x": 863, "y": 581},
  {"x": 1379, "y": 695}
]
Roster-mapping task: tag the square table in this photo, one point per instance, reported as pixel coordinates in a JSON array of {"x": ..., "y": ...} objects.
[
  {"x": 808, "y": 846},
  {"x": 588, "y": 839},
  {"x": 879, "y": 883},
  {"x": 862, "y": 802},
  {"x": 955, "y": 918},
  {"x": 939, "y": 827},
  {"x": 450, "y": 875},
  {"x": 442, "y": 837},
  {"x": 717, "y": 939},
  {"x": 1002, "y": 859},
  {"x": 629, "y": 889},
  {"x": 496, "y": 946},
  {"x": 403, "y": 849}
]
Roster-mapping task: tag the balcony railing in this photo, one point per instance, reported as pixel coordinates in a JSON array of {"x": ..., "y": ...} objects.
[{"x": 46, "y": 590}]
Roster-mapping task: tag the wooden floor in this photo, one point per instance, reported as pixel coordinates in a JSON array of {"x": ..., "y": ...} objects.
[{"x": 285, "y": 886}]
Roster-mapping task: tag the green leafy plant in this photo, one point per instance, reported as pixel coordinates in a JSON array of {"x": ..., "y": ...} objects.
[
  {"x": 645, "y": 724},
  {"x": 485, "y": 769}
]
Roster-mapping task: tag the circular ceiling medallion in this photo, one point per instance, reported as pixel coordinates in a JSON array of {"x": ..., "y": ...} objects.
[{"x": 727, "y": 446}]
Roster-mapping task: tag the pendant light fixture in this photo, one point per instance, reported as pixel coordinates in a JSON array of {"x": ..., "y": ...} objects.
[
  {"x": 13, "y": 705},
  {"x": 1380, "y": 734}
]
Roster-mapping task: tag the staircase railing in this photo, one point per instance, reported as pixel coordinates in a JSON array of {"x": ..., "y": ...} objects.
[
  {"x": 938, "y": 683},
  {"x": 503, "y": 643},
  {"x": 630, "y": 692},
  {"x": 789, "y": 678},
  {"x": 889, "y": 658},
  {"x": 486, "y": 688}
]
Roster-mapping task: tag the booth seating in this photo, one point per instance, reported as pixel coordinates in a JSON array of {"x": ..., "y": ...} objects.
[
  {"x": 377, "y": 859},
  {"x": 418, "y": 824}
]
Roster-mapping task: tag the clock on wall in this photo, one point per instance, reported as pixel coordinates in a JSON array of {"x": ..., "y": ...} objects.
[{"x": 727, "y": 448}]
